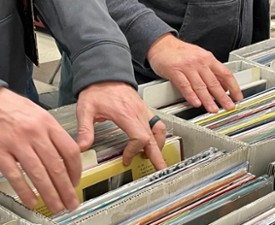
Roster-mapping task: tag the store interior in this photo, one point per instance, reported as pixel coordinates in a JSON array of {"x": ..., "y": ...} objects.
[{"x": 205, "y": 155}]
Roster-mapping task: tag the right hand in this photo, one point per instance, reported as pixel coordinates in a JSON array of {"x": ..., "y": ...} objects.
[
  {"x": 47, "y": 154},
  {"x": 195, "y": 72},
  {"x": 120, "y": 103}
]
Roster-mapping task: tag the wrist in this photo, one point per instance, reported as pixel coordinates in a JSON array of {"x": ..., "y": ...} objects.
[{"x": 163, "y": 42}]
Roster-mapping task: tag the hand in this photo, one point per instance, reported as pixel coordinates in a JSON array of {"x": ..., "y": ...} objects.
[
  {"x": 48, "y": 155},
  {"x": 120, "y": 103},
  {"x": 195, "y": 72}
]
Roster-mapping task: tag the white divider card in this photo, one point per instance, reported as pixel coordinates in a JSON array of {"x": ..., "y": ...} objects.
[{"x": 163, "y": 94}]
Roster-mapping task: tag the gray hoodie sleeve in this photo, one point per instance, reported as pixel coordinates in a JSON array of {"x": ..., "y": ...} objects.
[
  {"x": 93, "y": 41},
  {"x": 141, "y": 26}
]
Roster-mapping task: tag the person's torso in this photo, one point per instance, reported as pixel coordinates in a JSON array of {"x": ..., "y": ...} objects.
[{"x": 219, "y": 26}]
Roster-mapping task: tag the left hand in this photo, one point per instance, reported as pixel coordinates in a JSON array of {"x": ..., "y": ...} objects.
[
  {"x": 120, "y": 103},
  {"x": 195, "y": 72}
]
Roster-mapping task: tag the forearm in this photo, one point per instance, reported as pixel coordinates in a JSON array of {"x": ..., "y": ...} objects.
[
  {"x": 96, "y": 47},
  {"x": 140, "y": 25}
]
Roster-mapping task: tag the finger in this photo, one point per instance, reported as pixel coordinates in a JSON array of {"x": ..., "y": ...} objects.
[
  {"x": 200, "y": 88},
  {"x": 223, "y": 85},
  {"x": 40, "y": 178},
  {"x": 10, "y": 170},
  {"x": 158, "y": 130},
  {"x": 69, "y": 152},
  {"x": 154, "y": 154},
  {"x": 156, "y": 142},
  {"x": 85, "y": 133},
  {"x": 151, "y": 150},
  {"x": 226, "y": 77},
  {"x": 215, "y": 88},
  {"x": 138, "y": 135},
  {"x": 133, "y": 147},
  {"x": 142, "y": 138},
  {"x": 57, "y": 172},
  {"x": 183, "y": 85}
]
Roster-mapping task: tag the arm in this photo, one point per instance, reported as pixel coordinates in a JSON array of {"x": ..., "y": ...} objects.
[
  {"x": 33, "y": 138},
  {"x": 103, "y": 75},
  {"x": 91, "y": 39},
  {"x": 195, "y": 72},
  {"x": 141, "y": 26},
  {"x": 30, "y": 136}
]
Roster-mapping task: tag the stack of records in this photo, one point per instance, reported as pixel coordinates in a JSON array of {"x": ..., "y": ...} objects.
[
  {"x": 102, "y": 165},
  {"x": 252, "y": 120},
  {"x": 250, "y": 83},
  {"x": 261, "y": 56},
  {"x": 200, "y": 203}
]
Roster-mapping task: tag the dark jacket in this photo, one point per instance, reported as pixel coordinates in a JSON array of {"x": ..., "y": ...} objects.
[
  {"x": 261, "y": 18},
  {"x": 219, "y": 26},
  {"x": 97, "y": 48},
  {"x": 12, "y": 57}
]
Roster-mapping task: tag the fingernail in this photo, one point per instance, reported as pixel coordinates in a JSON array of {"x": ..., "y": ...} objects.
[
  {"x": 240, "y": 97},
  {"x": 58, "y": 206},
  {"x": 126, "y": 162},
  {"x": 82, "y": 144},
  {"x": 32, "y": 203},
  {"x": 196, "y": 103},
  {"x": 213, "y": 109},
  {"x": 237, "y": 97},
  {"x": 161, "y": 165},
  {"x": 230, "y": 105},
  {"x": 73, "y": 204}
]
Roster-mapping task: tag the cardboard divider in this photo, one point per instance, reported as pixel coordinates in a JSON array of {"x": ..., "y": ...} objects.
[
  {"x": 17, "y": 212},
  {"x": 196, "y": 138},
  {"x": 249, "y": 211},
  {"x": 124, "y": 209},
  {"x": 241, "y": 53}
]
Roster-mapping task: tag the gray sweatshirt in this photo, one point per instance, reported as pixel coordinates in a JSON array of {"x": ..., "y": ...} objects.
[
  {"x": 140, "y": 25},
  {"x": 97, "y": 48},
  {"x": 216, "y": 25}
]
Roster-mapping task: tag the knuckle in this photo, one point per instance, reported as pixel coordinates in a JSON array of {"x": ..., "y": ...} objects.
[
  {"x": 23, "y": 193},
  {"x": 144, "y": 139},
  {"x": 229, "y": 75},
  {"x": 30, "y": 125},
  {"x": 83, "y": 129},
  {"x": 207, "y": 55},
  {"x": 200, "y": 88},
  {"x": 72, "y": 153},
  {"x": 36, "y": 177},
  {"x": 57, "y": 170},
  {"x": 160, "y": 128},
  {"x": 214, "y": 85},
  {"x": 14, "y": 176},
  {"x": 189, "y": 63},
  {"x": 183, "y": 85},
  {"x": 27, "y": 126}
]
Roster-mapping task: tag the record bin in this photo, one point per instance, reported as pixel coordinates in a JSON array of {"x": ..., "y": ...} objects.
[{"x": 261, "y": 54}]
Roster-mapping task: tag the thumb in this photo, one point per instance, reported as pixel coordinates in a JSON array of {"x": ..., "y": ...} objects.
[{"x": 85, "y": 133}]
